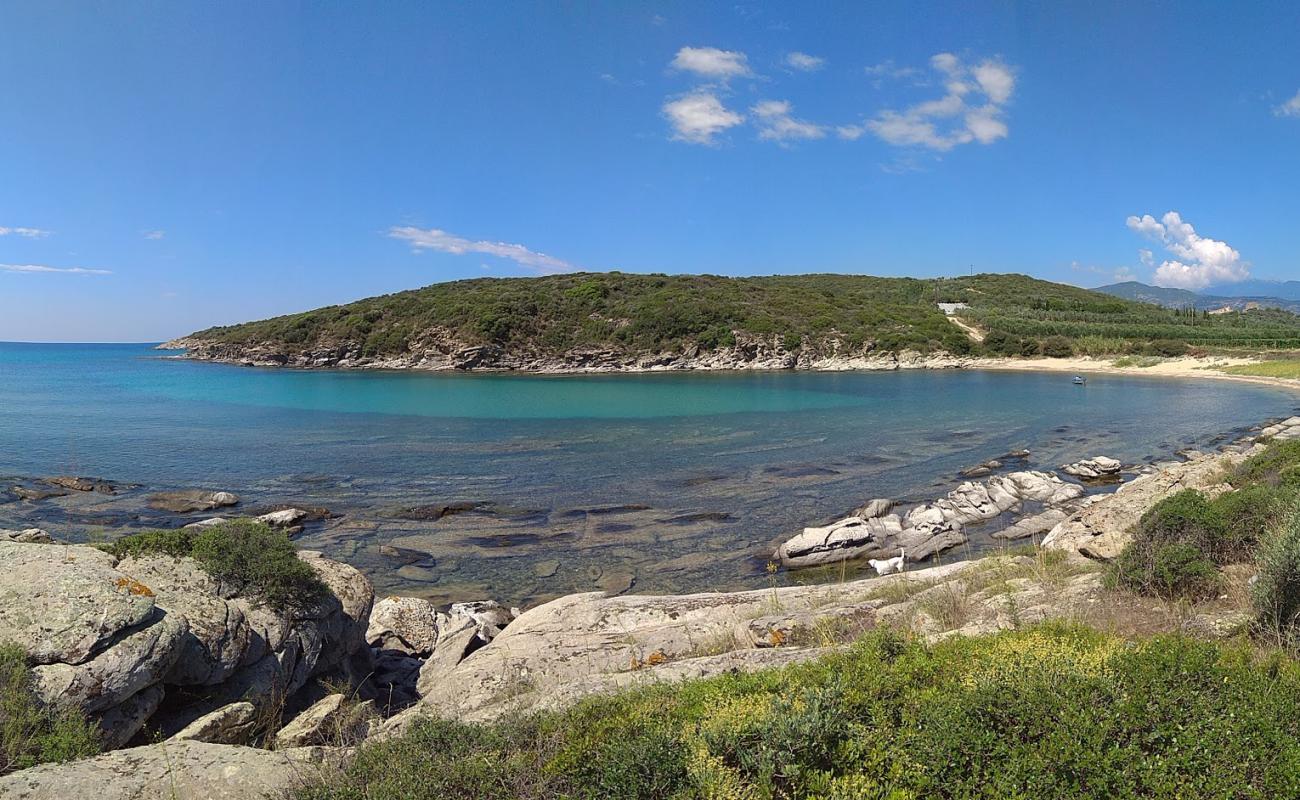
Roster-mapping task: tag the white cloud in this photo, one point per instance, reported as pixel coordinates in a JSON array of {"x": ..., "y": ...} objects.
[
  {"x": 153, "y": 235},
  {"x": 41, "y": 269},
  {"x": 850, "y": 133},
  {"x": 699, "y": 116},
  {"x": 888, "y": 70},
  {"x": 443, "y": 242},
  {"x": 712, "y": 62},
  {"x": 1198, "y": 261},
  {"x": 775, "y": 122},
  {"x": 1124, "y": 275},
  {"x": 27, "y": 233},
  {"x": 804, "y": 62},
  {"x": 1291, "y": 108},
  {"x": 952, "y": 120}
]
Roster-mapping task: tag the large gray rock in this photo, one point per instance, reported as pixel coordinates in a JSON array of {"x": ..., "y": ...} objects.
[
  {"x": 65, "y": 604},
  {"x": 26, "y": 536},
  {"x": 123, "y": 721},
  {"x": 851, "y": 537},
  {"x": 175, "y": 771},
  {"x": 231, "y": 724},
  {"x": 137, "y": 660},
  {"x": 1092, "y": 469},
  {"x": 190, "y": 500},
  {"x": 332, "y": 720},
  {"x": 405, "y": 624}
]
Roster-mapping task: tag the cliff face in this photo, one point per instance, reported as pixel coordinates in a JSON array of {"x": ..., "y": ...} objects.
[{"x": 439, "y": 351}]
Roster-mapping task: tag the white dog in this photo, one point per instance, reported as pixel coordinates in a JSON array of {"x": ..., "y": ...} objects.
[{"x": 889, "y": 565}]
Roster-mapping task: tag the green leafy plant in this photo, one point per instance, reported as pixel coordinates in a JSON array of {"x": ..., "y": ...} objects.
[{"x": 30, "y": 732}]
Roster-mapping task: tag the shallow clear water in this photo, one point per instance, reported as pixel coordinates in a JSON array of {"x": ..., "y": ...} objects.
[{"x": 683, "y": 481}]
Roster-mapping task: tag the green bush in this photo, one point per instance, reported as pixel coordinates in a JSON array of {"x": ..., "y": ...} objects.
[
  {"x": 31, "y": 733},
  {"x": 1276, "y": 591},
  {"x": 1169, "y": 348},
  {"x": 1276, "y": 466},
  {"x": 1046, "y": 712},
  {"x": 1057, "y": 347},
  {"x": 1172, "y": 546},
  {"x": 247, "y": 557}
]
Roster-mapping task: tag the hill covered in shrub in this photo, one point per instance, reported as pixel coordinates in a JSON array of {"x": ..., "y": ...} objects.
[{"x": 845, "y": 314}]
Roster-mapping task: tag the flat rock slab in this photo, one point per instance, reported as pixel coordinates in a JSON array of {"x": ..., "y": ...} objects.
[
  {"x": 174, "y": 771},
  {"x": 190, "y": 500}
]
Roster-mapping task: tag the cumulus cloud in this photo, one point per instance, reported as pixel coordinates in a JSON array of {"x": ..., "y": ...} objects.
[
  {"x": 804, "y": 62},
  {"x": 711, "y": 62},
  {"x": 35, "y": 269},
  {"x": 1291, "y": 108},
  {"x": 888, "y": 70},
  {"x": 971, "y": 109},
  {"x": 443, "y": 242},
  {"x": 153, "y": 235},
  {"x": 776, "y": 123},
  {"x": 27, "y": 233},
  {"x": 1198, "y": 261},
  {"x": 699, "y": 116}
]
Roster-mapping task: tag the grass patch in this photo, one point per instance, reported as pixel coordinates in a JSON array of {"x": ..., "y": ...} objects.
[
  {"x": 246, "y": 557},
  {"x": 31, "y": 733},
  {"x": 1267, "y": 369},
  {"x": 1051, "y": 711},
  {"x": 1139, "y": 362}
]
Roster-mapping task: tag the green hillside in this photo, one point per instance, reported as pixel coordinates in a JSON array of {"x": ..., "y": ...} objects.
[{"x": 657, "y": 313}]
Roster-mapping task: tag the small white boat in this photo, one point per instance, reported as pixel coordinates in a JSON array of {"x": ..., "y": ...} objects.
[{"x": 1079, "y": 380}]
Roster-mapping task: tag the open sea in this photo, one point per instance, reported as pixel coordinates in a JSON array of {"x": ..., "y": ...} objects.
[{"x": 520, "y": 488}]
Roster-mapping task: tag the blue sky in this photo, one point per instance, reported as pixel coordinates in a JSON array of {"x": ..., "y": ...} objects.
[{"x": 167, "y": 166}]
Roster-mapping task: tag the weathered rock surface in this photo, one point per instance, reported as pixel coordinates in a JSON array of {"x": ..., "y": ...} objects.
[
  {"x": 66, "y": 604},
  {"x": 1101, "y": 530},
  {"x": 110, "y": 636},
  {"x": 174, "y": 771},
  {"x": 332, "y": 720},
  {"x": 405, "y": 624},
  {"x": 82, "y": 484},
  {"x": 26, "y": 536},
  {"x": 1091, "y": 469},
  {"x": 927, "y": 529},
  {"x": 1286, "y": 429},
  {"x": 230, "y": 724},
  {"x": 190, "y": 500}
]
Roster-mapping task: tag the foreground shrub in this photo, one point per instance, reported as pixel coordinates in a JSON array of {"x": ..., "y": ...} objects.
[
  {"x": 1276, "y": 591},
  {"x": 1047, "y": 712},
  {"x": 246, "y": 557},
  {"x": 1277, "y": 466},
  {"x": 33, "y": 734}
]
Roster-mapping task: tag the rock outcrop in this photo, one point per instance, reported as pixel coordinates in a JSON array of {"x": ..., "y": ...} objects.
[
  {"x": 112, "y": 637},
  {"x": 1101, "y": 530},
  {"x": 190, "y": 500},
  {"x": 1093, "y": 469}
]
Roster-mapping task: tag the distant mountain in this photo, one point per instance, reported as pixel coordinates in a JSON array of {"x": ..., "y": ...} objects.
[
  {"x": 1208, "y": 301},
  {"x": 1284, "y": 290},
  {"x": 1142, "y": 293}
]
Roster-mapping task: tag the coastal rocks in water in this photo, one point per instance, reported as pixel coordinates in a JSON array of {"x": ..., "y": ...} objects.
[
  {"x": 175, "y": 771},
  {"x": 874, "y": 509},
  {"x": 851, "y": 537},
  {"x": 210, "y": 522},
  {"x": 32, "y": 494},
  {"x": 1091, "y": 469},
  {"x": 1286, "y": 429},
  {"x": 1101, "y": 530},
  {"x": 191, "y": 500},
  {"x": 230, "y": 724},
  {"x": 981, "y": 470},
  {"x": 81, "y": 484},
  {"x": 26, "y": 536},
  {"x": 289, "y": 519}
]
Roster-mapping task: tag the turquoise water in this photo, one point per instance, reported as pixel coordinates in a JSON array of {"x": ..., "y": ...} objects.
[{"x": 682, "y": 481}]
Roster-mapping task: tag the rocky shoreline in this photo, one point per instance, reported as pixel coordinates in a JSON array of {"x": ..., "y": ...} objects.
[
  {"x": 443, "y": 354},
  {"x": 130, "y": 640}
]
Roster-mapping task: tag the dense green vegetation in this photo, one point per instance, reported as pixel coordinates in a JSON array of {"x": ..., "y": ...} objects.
[
  {"x": 1180, "y": 544},
  {"x": 31, "y": 733},
  {"x": 655, "y": 313},
  {"x": 247, "y": 557},
  {"x": 1046, "y": 712}
]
